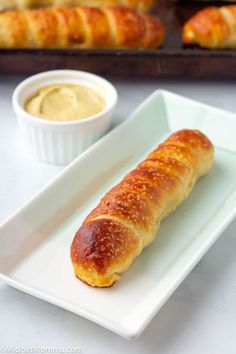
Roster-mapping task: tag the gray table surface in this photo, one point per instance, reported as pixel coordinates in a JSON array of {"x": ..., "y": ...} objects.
[{"x": 201, "y": 315}]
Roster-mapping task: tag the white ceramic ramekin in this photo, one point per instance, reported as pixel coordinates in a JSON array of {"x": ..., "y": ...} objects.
[{"x": 60, "y": 142}]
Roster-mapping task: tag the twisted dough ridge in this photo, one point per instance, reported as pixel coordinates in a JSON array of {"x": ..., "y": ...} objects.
[
  {"x": 81, "y": 27},
  {"x": 212, "y": 27},
  {"x": 141, "y": 5},
  {"x": 129, "y": 215}
]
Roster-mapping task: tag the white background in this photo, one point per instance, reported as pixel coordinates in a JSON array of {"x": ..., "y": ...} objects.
[{"x": 199, "y": 318}]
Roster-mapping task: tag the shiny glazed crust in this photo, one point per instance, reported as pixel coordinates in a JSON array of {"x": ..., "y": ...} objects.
[
  {"x": 141, "y": 5},
  {"x": 212, "y": 27},
  {"x": 129, "y": 215},
  {"x": 82, "y": 27}
]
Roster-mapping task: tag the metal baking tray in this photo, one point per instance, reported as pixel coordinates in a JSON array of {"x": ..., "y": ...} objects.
[{"x": 172, "y": 60}]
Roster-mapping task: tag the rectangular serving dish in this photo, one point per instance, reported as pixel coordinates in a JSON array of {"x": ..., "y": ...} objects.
[
  {"x": 172, "y": 60},
  {"x": 35, "y": 242}
]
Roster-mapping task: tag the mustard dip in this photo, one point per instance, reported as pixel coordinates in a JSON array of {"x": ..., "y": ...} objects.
[{"x": 65, "y": 102}]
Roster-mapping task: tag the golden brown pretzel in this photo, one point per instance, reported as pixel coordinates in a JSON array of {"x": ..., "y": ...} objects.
[
  {"x": 82, "y": 27},
  {"x": 141, "y": 5},
  {"x": 212, "y": 27},
  {"x": 129, "y": 215}
]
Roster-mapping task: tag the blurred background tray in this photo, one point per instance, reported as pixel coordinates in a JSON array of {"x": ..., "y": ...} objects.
[{"x": 173, "y": 60}]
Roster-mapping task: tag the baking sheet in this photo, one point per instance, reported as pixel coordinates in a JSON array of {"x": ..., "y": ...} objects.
[{"x": 172, "y": 60}]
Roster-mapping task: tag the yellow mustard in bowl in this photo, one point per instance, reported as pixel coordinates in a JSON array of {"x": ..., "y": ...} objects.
[{"x": 65, "y": 102}]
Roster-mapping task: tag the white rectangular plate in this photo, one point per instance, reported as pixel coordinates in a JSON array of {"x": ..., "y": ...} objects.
[{"x": 35, "y": 242}]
